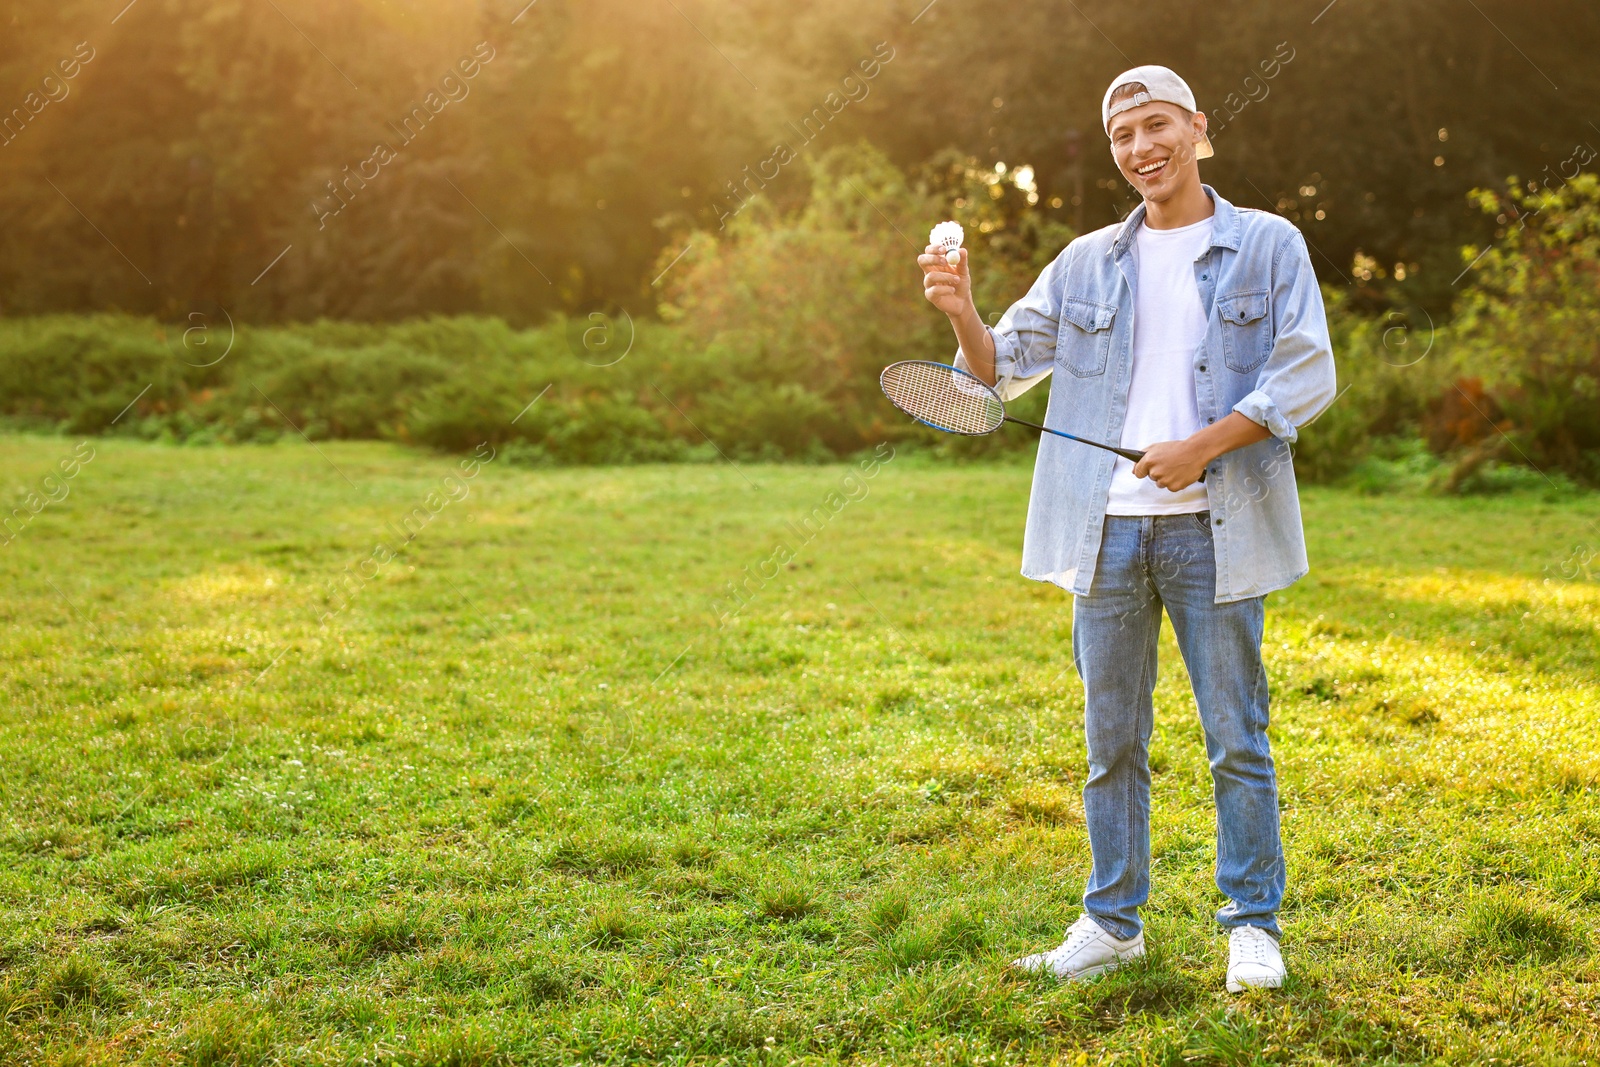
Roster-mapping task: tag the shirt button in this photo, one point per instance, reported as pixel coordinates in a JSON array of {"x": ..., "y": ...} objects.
[
  {"x": 1202, "y": 366},
  {"x": 1205, "y": 277},
  {"x": 1211, "y": 418},
  {"x": 1217, "y": 521}
]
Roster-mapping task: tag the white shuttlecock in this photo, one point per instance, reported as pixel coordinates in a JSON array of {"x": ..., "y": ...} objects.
[{"x": 948, "y": 235}]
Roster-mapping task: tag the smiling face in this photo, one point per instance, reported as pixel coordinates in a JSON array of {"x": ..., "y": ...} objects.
[{"x": 1153, "y": 145}]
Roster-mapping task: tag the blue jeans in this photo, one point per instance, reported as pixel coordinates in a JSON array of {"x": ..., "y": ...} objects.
[{"x": 1147, "y": 563}]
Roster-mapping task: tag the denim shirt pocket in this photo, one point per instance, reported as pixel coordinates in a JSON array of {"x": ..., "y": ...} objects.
[
  {"x": 1246, "y": 331},
  {"x": 1085, "y": 341}
]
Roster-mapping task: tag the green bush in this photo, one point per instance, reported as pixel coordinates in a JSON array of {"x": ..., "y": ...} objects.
[
  {"x": 1507, "y": 395},
  {"x": 1390, "y": 369},
  {"x": 78, "y": 373},
  {"x": 1396, "y": 465},
  {"x": 1529, "y": 324},
  {"x": 808, "y": 309},
  {"x": 772, "y": 334}
]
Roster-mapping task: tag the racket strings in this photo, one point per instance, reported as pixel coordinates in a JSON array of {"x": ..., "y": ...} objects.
[{"x": 943, "y": 397}]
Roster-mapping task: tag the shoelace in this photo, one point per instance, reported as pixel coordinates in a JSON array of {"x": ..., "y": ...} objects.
[
  {"x": 1076, "y": 939},
  {"x": 1251, "y": 945}
]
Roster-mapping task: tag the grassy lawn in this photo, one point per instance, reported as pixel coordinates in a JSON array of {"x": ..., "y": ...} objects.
[{"x": 514, "y": 790}]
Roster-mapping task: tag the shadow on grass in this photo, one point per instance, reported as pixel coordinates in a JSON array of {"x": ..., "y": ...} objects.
[{"x": 1152, "y": 984}]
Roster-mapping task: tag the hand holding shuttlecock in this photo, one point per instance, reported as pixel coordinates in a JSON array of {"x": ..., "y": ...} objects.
[{"x": 948, "y": 235}]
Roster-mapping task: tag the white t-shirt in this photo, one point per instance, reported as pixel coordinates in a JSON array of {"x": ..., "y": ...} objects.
[{"x": 1169, "y": 326}]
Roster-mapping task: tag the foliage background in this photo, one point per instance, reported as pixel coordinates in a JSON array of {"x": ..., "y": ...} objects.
[
  {"x": 601, "y": 133},
  {"x": 616, "y": 160}
]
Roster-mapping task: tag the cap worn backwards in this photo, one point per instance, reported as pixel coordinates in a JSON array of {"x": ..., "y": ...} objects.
[{"x": 1160, "y": 84}]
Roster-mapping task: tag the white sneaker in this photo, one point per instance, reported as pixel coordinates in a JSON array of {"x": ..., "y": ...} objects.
[
  {"x": 1254, "y": 960},
  {"x": 1087, "y": 951}
]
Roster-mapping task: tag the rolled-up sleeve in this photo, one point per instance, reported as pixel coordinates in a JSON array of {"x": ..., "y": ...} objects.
[
  {"x": 1297, "y": 382},
  {"x": 1025, "y": 336}
]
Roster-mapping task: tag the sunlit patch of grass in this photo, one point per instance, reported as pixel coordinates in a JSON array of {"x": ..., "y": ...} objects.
[
  {"x": 197, "y": 878},
  {"x": 471, "y": 1044},
  {"x": 1490, "y": 593},
  {"x": 513, "y": 807},
  {"x": 230, "y": 584},
  {"x": 1153, "y": 984},
  {"x": 459, "y": 969},
  {"x": 719, "y": 883},
  {"x": 18, "y": 998}
]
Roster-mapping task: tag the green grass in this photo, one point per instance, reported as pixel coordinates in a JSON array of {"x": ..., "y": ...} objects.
[{"x": 520, "y": 797}]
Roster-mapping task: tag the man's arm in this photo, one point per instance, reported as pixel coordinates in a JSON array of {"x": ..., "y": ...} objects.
[
  {"x": 1020, "y": 350},
  {"x": 1297, "y": 382},
  {"x": 950, "y": 290},
  {"x": 975, "y": 341}
]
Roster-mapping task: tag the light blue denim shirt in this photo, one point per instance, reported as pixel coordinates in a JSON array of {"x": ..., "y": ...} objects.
[{"x": 1266, "y": 354}]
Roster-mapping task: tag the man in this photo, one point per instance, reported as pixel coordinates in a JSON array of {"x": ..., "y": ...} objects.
[{"x": 1193, "y": 330}]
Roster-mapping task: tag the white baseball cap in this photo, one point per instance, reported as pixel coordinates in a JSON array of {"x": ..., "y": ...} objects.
[{"x": 1160, "y": 83}]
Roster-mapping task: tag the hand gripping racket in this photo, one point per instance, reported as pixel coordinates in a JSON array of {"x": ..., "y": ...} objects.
[{"x": 954, "y": 401}]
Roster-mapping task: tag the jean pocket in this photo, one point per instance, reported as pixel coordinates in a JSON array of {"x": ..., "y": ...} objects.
[
  {"x": 1246, "y": 329},
  {"x": 1202, "y": 519}
]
